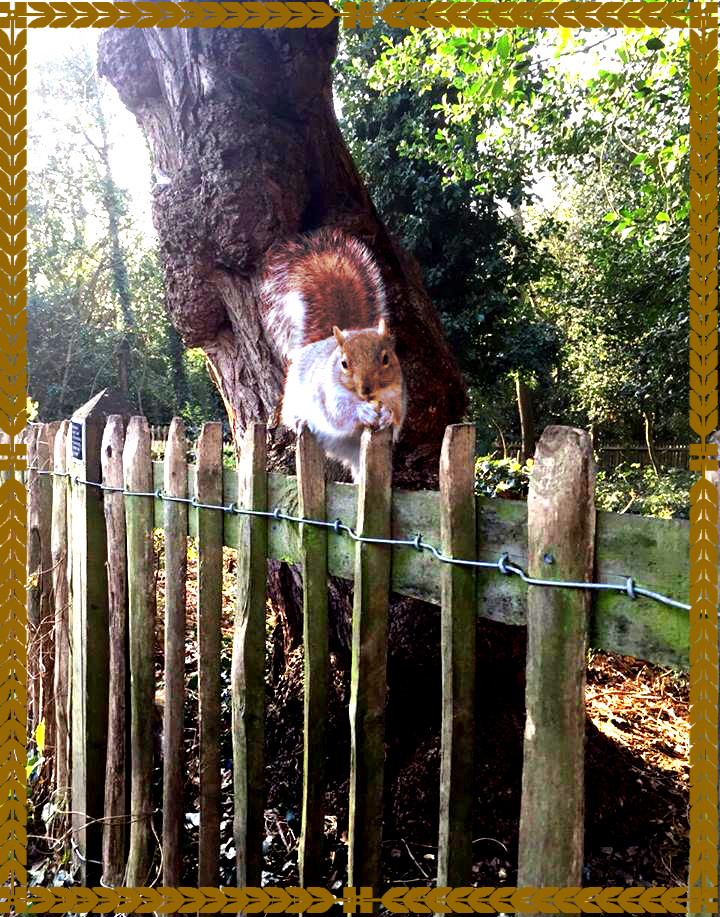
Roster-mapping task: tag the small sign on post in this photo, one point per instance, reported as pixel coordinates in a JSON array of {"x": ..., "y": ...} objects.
[{"x": 77, "y": 436}]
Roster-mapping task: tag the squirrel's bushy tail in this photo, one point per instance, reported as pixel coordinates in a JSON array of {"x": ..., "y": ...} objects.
[{"x": 315, "y": 281}]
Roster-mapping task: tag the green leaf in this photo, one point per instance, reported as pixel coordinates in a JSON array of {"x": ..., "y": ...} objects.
[
  {"x": 663, "y": 217},
  {"x": 654, "y": 44},
  {"x": 503, "y": 46},
  {"x": 476, "y": 87},
  {"x": 40, "y": 736}
]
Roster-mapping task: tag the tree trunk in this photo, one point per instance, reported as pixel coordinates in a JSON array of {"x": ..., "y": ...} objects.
[
  {"x": 527, "y": 420},
  {"x": 246, "y": 151},
  {"x": 649, "y": 420}
]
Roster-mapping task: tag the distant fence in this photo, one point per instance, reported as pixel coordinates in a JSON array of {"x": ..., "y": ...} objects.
[
  {"x": 609, "y": 457},
  {"x": 95, "y": 496}
]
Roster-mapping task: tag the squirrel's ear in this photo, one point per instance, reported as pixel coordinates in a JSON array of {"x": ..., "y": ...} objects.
[
  {"x": 383, "y": 331},
  {"x": 339, "y": 337}
]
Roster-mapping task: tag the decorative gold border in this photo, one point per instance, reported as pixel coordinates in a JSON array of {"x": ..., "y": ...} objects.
[{"x": 702, "y": 21}]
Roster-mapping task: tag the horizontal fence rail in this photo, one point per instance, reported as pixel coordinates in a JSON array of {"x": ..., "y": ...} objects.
[
  {"x": 502, "y": 564},
  {"x": 647, "y": 557}
]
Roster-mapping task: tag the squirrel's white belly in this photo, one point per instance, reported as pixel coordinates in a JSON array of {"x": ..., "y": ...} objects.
[{"x": 333, "y": 420}]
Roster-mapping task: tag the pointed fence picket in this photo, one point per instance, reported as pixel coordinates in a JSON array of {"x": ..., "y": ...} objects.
[
  {"x": 369, "y": 662},
  {"x": 208, "y": 489},
  {"x": 248, "y": 662},
  {"x": 558, "y": 531},
  {"x": 311, "y": 505},
  {"x": 175, "y": 523},
  {"x": 116, "y": 773},
  {"x": 61, "y": 610},
  {"x": 137, "y": 470}
]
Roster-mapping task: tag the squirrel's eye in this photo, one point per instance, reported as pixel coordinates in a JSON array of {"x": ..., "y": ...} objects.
[
  {"x": 385, "y": 358},
  {"x": 344, "y": 363}
]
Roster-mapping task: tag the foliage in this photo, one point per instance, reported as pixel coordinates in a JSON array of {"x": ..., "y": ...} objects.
[
  {"x": 638, "y": 490},
  {"x": 96, "y": 315},
  {"x": 573, "y": 146},
  {"x": 505, "y": 478},
  {"x": 628, "y": 488},
  {"x": 476, "y": 262},
  {"x": 36, "y": 754}
]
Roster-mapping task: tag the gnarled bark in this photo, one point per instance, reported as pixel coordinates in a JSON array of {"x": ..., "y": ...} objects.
[{"x": 247, "y": 150}]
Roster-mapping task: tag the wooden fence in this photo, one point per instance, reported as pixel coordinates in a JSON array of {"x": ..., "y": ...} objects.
[{"x": 92, "y": 601}]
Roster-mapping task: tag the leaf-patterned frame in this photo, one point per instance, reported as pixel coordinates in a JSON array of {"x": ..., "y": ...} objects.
[{"x": 701, "y": 19}]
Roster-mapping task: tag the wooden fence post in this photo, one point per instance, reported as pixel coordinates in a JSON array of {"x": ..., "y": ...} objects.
[
  {"x": 248, "y": 664},
  {"x": 369, "y": 662},
  {"x": 457, "y": 648},
  {"x": 34, "y": 574},
  {"x": 89, "y": 643},
  {"x": 561, "y": 539},
  {"x": 210, "y": 539},
  {"x": 115, "y": 829},
  {"x": 137, "y": 470},
  {"x": 45, "y": 456},
  {"x": 59, "y": 554},
  {"x": 176, "y": 529},
  {"x": 311, "y": 493}
]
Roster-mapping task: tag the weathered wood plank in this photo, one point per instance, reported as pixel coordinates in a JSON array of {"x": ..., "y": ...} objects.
[
  {"x": 368, "y": 678},
  {"x": 655, "y": 553},
  {"x": 311, "y": 492},
  {"x": 457, "y": 650},
  {"x": 175, "y": 525},
  {"x": 501, "y": 528},
  {"x": 89, "y": 650},
  {"x": 114, "y": 828},
  {"x": 641, "y": 628},
  {"x": 34, "y": 578},
  {"x": 248, "y": 664},
  {"x": 137, "y": 470},
  {"x": 59, "y": 553},
  {"x": 208, "y": 488},
  {"x": 45, "y": 458},
  {"x": 561, "y": 535}
]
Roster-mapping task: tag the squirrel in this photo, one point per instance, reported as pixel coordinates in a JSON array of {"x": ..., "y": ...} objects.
[{"x": 324, "y": 307}]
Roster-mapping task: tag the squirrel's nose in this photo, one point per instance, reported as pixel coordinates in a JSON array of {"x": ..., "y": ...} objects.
[{"x": 365, "y": 390}]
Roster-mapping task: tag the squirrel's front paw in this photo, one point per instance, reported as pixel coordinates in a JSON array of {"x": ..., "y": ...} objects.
[
  {"x": 385, "y": 418},
  {"x": 367, "y": 414}
]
